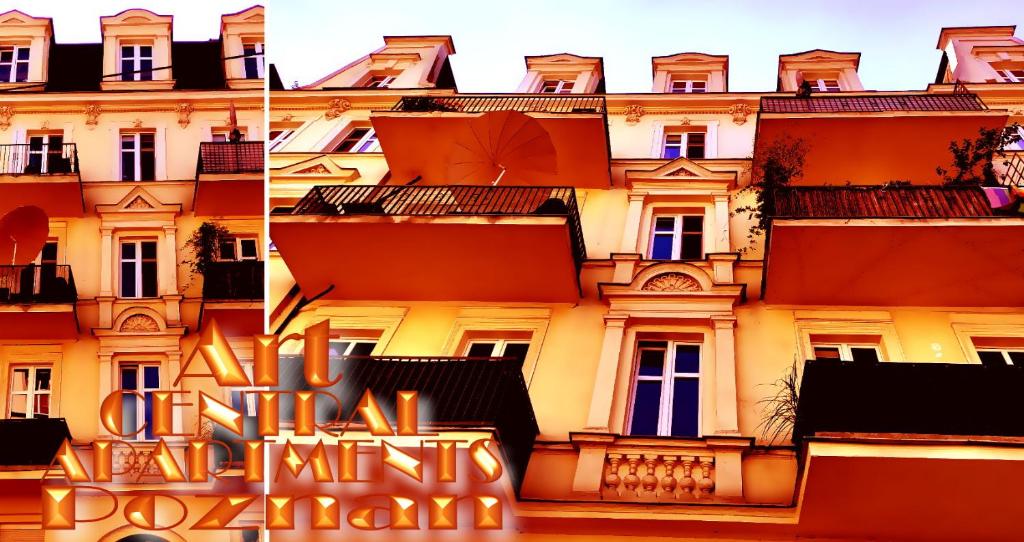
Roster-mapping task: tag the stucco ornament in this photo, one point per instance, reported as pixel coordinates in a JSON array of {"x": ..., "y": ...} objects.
[
  {"x": 318, "y": 169},
  {"x": 92, "y": 115},
  {"x": 633, "y": 113},
  {"x": 685, "y": 121},
  {"x": 336, "y": 107},
  {"x": 739, "y": 113},
  {"x": 6, "y": 112},
  {"x": 672, "y": 282},
  {"x": 139, "y": 322},
  {"x": 184, "y": 110}
]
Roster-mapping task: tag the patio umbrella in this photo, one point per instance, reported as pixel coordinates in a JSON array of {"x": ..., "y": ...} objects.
[
  {"x": 23, "y": 233},
  {"x": 502, "y": 146},
  {"x": 235, "y": 134}
]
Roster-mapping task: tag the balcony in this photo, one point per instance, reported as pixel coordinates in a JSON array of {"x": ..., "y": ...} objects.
[
  {"x": 38, "y": 440},
  {"x": 229, "y": 179},
  {"x": 233, "y": 295},
  {"x": 37, "y": 302},
  {"x": 46, "y": 176},
  {"x": 892, "y": 246},
  {"x": 434, "y": 243},
  {"x": 419, "y": 134},
  {"x": 871, "y": 139},
  {"x": 889, "y": 449},
  {"x": 454, "y": 393}
]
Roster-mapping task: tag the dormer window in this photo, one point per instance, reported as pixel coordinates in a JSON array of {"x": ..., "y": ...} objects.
[
  {"x": 825, "y": 85},
  {"x": 556, "y": 86},
  {"x": 253, "y": 51},
  {"x": 1015, "y": 75},
  {"x": 14, "y": 63},
  {"x": 380, "y": 81},
  {"x": 136, "y": 62},
  {"x": 688, "y": 86}
]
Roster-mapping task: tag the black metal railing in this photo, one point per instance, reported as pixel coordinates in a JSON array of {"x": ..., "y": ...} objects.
[
  {"x": 878, "y": 103},
  {"x": 449, "y": 200},
  {"x": 221, "y": 157},
  {"x": 32, "y": 442},
  {"x": 895, "y": 201},
  {"x": 242, "y": 280},
  {"x": 531, "y": 103},
  {"x": 45, "y": 283},
  {"x": 453, "y": 392},
  {"x": 39, "y": 159},
  {"x": 911, "y": 398}
]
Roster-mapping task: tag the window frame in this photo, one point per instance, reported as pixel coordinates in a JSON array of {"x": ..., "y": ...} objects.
[
  {"x": 688, "y": 87},
  {"x": 1009, "y": 77},
  {"x": 237, "y": 241},
  {"x": 498, "y": 350},
  {"x": 138, "y": 260},
  {"x": 30, "y": 392},
  {"x": 820, "y": 84},
  {"x": 44, "y": 152},
  {"x": 684, "y": 144},
  {"x": 379, "y": 80},
  {"x": 678, "y": 232},
  {"x": 1004, "y": 352},
  {"x": 137, "y": 151},
  {"x": 846, "y": 350},
  {"x": 281, "y": 138},
  {"x": 258, "y": 50},
  {"x": 352, "y": 342},
  {"x": 365, "y": 143},
  {"x": 667, "y": 378},
  {"x": 142, "y": 389},
  {"x": 12, "y": 76},
  {"x": 137, "y": 58},
  {"x": 562, "y": 86}
]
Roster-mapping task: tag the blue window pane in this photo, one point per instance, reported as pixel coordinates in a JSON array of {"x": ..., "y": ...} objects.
[
  {"x": 129, "y": 379},
  {"x": 652, "y": 363},
  {"x": 129, "y": 410},
  {"x": 662, "y": 249},
  {"x": 671, "y": 152},
  {"x": 687, "y": 358},
  {"x": 127, "y": 69},
  {"x": 5, "y": 73},
  {"x": 21, "y": 75},
  {"x": 146, "y": 74},
  {"x": 685, "y": 398},
  {"x": 23, "y": 53},
  {"x": 149, "y": 416},
  {"x": 646, "y": 405},
  {"x": 151, "y": 377}
]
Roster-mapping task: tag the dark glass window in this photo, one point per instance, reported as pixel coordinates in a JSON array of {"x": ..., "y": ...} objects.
[{"x": 646, "y": 407}]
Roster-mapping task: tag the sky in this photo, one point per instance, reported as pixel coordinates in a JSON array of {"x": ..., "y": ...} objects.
[
  {"x": 308, "y": 39},
  {"x": 78, "y": 21}
]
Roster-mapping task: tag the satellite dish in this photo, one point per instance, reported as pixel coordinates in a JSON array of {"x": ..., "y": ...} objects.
[{"x": 23, "y": 233}]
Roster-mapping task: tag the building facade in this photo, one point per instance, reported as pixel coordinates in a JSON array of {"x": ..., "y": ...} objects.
[
  {"x": 608, "y": 256},
  {"x": 127, "y": 147}
]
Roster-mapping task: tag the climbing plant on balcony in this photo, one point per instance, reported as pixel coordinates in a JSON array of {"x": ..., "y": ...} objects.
[
  {"x": 204, "y": 243},
  {"x": 773, "y": 167},
  {"x": 973, "y": 158}
]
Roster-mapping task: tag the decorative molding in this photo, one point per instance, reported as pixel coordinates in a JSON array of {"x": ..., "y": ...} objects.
[
  {"x": 139, "y": 323},
  {"x": 137, "y": 123},
  {"x": 92, "y": 115},
  {"x": 287, "y": 118},
  {"x": 739, "y": 113},
  {"x": 672, "y": 282},
  {"x": 6, "y": 112},
  {"x": 318, "y": 169},
  {"x": 633, "y": 113},
  {"x": 138, "y": 203},
  {"x": 184, "y": 110},
  {"x": 336, "y": 107},
  {"x": 685, "y": 121}
]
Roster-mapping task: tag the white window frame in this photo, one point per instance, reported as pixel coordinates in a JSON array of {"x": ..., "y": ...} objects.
[
  {"x": 258, "y": 46},
  {"x": 30, "y": 392},
  {"x": 1005, "y": 352},
  {"x": 498, "y": 350},
  {"x": 136, "y": 150},
  {"x": 667, "y": 379},
  {"x": 248, "y": 396},
  {"x": 352, "y": 344},
  {"x": 137, "y": 260},
  {"x": 385, "y": 81},
  {"x": 13, "y": 77},
  {"x": 224, "y": 135},
  {"x": 237, "y": 241},
  {"x": 684, "y": 141},
  {"x": 821, "y": 86},
  {"x": 845, "y": 352},
  {"x": 368, "y": 140},
  {"x": 677, "y": 233},
  {"x": 1009, "y": 77},
  {"x": 140, "y": 402},
  {"x": 562, "y": 86},
  {"x": 281, "y": 138},
  {"x": 44, "y": 151},
  {"x": 136, "y": 59},
  {"x": 688, "y": 86}
]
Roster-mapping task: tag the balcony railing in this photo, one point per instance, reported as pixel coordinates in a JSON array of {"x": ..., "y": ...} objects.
[
  {"x": 36, "y": 159},
  {"x": 453, "y": 392},
  {"x": 879, "y": 103},
  {"x": 882, "y": 202},
  {"x": 449, "y": 200},
  {"x": 481, "y": 104},
  {"x": 32, "y": 442},
  {"x": 241, "y": 280},
  {"x": 916, "y": 398},
  {"x": 30, "y": 284},
  {"x": 227, "y": 158}
]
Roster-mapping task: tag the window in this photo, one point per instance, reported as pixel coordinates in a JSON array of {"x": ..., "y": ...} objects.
[
  {"x": 825, "y": 85},
  {"x": 253, "y": 51},
  {"x": 46, "y": 154},
  {"x": 380, "y": 81},
  {"x": 239, "y": 249},
  {"x": 138, "y": 269},
  {"x": 999, "y": 357},
  {"x": 690, "y": 144},
  {"x": 138, "y": 156},
  {"x": 556, "y": 86},
  {"x": 666, "y": 390},
  {"x": 1019, "y": 144},
  {"x": 352, "y": 347},
  {"x": 30, "y": 392},
  {"x": 242, "y": 399},
  {"x": 688, "y": 86},
  {"x": 224, "y": 136},
  {"x": 136, "y": 62},
  {"x": 1015, "y": 75},
  {"x": 677, "y": 237},
  {"x": 13, "y": 63},
  {"x": 144, "y": 379},
  {"x": 278, "y": 137},
  {"x": 498, "y": 348},
  {"x": 859, "y": 353},
  {"x": 359, "y": 140}
]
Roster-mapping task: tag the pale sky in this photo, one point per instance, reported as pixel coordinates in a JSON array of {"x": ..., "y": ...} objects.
[
  {"x": 310, "y": 38},
  {"x": 78, "y": 21}
]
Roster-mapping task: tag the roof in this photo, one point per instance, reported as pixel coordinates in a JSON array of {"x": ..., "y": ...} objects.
[
  {"x": 947, "y": 31},
  {"x": 855, "y": 56}
]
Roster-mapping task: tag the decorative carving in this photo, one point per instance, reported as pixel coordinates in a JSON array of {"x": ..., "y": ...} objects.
[
  {"x": 318, "y": 169},
  {"x": 336, "y": 107},
  {"x": 682, "y": 172},
  {"x": 184, "y": 111},
  {"x": 633, "y": 113},
  {"x": 6, "y": 112},
  {"x": 45, "y": 125},
  {"x": 739, "y": 113},
  {"x": 672, "y": 282},
  {"x": 92, "y": 115},
  {"x": 685, "y": 121},
  {"x": 137, "y": 123},
  {"x": 287, "y": 118},
  {"x": 139, "y": 322},
  {"x": 138, "y": 203}
]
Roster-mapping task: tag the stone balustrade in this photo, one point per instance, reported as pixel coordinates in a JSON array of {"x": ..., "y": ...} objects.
[{"x": 658, "y": 477}]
